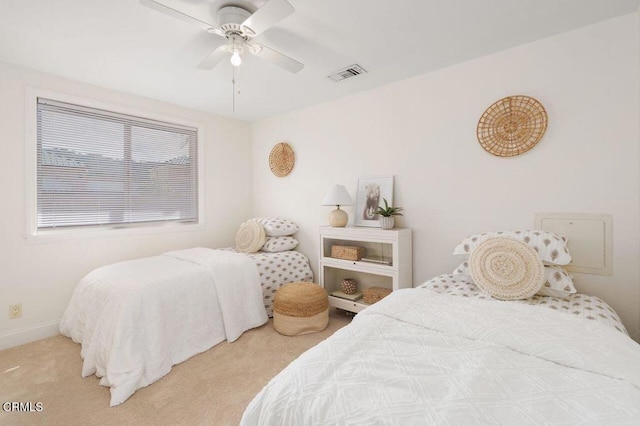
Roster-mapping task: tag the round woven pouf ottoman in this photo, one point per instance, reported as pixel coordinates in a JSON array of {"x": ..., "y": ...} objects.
[{"x": 300, "y": 308}]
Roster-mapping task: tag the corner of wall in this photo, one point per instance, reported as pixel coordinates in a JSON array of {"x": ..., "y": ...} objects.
[{"x": 637, "y": 337}]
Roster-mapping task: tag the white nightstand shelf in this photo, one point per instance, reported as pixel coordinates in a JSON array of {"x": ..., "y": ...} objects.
[{"x": 393, "y": 245}]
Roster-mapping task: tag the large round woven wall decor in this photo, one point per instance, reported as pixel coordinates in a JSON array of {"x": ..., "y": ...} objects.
[
  {"x": 512, "y": 126},
  {"x": 281, "y": 159}
]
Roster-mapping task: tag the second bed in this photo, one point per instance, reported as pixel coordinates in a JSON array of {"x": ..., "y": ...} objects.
[{"x": 138, "y": 318}]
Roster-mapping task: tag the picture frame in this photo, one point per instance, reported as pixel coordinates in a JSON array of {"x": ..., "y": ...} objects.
[{"x": 369, "y": 195}]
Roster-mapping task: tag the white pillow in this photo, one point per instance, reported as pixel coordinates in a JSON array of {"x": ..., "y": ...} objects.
[
  {"x": 276, "y": 244},
  {"x": 558, "y": 282},
  {"x": 551, "y": 247},
  {"x": 277, "y": 226},
  {"x": 250, "y": 237}
]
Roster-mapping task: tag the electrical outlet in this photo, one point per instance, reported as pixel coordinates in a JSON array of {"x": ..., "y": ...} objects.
[{"x": 15, "y": 311}]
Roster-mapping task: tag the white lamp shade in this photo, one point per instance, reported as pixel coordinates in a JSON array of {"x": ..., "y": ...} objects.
[{"x": 337, "y": 196}]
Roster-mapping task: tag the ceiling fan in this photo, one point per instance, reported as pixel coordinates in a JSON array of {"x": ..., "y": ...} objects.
[{"x": 239, "y": 26}]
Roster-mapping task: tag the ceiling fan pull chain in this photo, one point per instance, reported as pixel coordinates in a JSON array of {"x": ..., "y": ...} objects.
[
  {"x": 233, "y": 90},
  {"x": 238, "y": 84}
]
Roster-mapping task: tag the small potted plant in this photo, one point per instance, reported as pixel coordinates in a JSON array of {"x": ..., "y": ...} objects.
[{"x": 387, "y": 215}]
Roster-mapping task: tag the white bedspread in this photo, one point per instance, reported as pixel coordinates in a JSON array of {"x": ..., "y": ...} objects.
[
  {"x": 418, "y": 357},
  {"x": 137, "y": 319}
]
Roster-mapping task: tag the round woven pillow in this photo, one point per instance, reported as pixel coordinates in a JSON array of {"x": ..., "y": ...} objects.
[
  {"x": 506, "y": 269},
  {"x": 250, "y": 237}
]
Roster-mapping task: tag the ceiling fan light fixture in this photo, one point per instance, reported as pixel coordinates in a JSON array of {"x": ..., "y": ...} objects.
[
  {"x": 236, "y": 60},
  {"x": 236, "y": 49}
]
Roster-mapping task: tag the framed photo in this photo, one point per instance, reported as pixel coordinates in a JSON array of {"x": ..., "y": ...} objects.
[{"x": 371, "y": 191}]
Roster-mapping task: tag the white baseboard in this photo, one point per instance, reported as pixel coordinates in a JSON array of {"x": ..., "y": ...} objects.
[{"x": 29, "y": 334}]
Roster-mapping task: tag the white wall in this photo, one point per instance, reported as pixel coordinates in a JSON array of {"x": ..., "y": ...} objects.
[
  {"x": 422, "y": 130},
  {"x": 42, "y": 276}
]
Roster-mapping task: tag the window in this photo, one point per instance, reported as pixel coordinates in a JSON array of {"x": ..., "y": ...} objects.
[{"x": 97, "y": 168}]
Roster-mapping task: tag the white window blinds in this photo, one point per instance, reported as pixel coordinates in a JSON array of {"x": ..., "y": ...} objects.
[{"x": 96, "y": 167}]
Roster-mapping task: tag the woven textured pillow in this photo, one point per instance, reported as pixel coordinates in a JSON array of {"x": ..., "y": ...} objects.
[
  {"x": 551, "y": 247},
  {"x": 250, "y": 237},
  {"x": 277, "y": 226},
  {"x": 506, "y": 269},
  {"x": 277, "y": 244},
  {"x": 558, "y": 282}
]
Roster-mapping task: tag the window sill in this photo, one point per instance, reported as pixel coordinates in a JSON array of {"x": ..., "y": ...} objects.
[{"x": 57, "y": 235}]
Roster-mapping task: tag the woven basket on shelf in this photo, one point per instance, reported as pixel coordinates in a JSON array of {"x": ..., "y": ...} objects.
[
  {"x": 512, "y": 126},
  {"x": 347, "y": 252},
  {"x": 375, "y": 294}
]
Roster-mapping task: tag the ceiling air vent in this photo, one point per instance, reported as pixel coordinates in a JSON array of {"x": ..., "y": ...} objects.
[{"x": 348, "y": 72}]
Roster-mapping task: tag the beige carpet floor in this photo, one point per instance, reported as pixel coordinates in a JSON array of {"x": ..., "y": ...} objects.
[{"x": 212, "y": 388}]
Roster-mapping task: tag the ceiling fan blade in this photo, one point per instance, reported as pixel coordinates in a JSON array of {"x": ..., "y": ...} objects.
[
  {"x": 275, "y": 57},
  {"x": 268, "y": 15},
  {"x": 214, "y": 58},
  {"x": 162, "y": 8}
]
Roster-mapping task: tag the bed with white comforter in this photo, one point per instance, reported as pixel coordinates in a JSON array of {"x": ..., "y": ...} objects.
[
  {"x": 136, "y": 319},
  {"x": 420, "y": 357}
]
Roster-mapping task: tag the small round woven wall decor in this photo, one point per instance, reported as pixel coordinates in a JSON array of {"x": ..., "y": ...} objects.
[
  {"x": 512, "y": 126},
  {"x": 281, "y": 159}
]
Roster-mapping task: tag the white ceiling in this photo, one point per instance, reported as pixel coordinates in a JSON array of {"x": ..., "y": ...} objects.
[{"x": 122, "y": 45}]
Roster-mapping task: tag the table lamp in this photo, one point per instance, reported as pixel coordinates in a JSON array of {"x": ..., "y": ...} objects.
[{"x": 337, "y": 196}]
